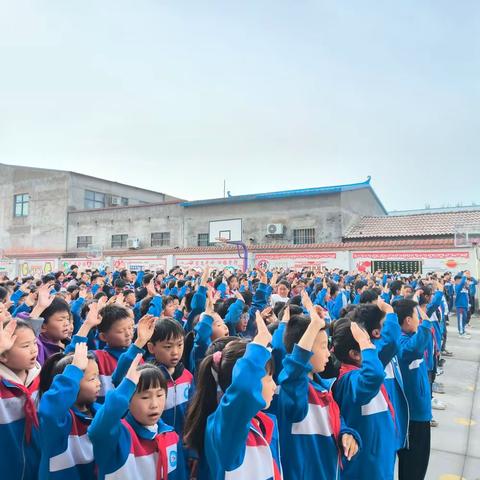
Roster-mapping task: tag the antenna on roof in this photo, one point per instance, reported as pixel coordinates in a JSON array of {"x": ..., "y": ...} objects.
[{"x": 224, "y": 188}]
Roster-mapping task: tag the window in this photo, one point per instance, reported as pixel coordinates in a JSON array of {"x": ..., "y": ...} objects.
[
  {"x": 20, "y": 207},
  {"x": 124, "y": 202},
  {"x": 160, "y": 239},
  {"x": 203, "y": 240},
  {"x": 119, "y": 241},
  {"x": 94, "y": 199},
  {"x": 303, "y": 235},
  {"x": 84, "y": 241}
]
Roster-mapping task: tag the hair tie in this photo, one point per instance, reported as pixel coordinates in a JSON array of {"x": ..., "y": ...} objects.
[{"x": 217, "y": 358}]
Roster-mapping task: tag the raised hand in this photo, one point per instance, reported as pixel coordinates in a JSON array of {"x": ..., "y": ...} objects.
[
  {"x": 120, "y": 300},
  {"x": 151, "y": 288},
  {"x": 209, "y": 310},
  {"x": 239, "y": 296},
  {"x": 80, "y": 359},
  {"x": 263, "y": 336},
  {"x": 133, "y": 374},
  {"x": 7, "y": 335},
  {"x": 361, "y": 336},
  {"x": 205, "y": 274},
  {"x": 286, "y": 313},
  {"x": 93, "y": 318},
  {"x": 384, "y": 306},
  {"x": 145, "y": 328}
]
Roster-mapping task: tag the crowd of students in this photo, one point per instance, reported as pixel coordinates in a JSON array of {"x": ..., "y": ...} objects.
[{"x": 223, "y": 374}]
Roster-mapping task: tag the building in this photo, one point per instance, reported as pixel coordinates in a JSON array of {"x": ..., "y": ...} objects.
[
  {"x": 52, "y": 218},
  {"x": 35, "y": 204}
]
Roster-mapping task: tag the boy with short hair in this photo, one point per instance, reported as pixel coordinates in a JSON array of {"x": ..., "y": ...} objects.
[{"x": 413, "y": 461}]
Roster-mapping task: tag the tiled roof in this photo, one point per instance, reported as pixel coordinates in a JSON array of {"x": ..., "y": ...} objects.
[{"x": 419, "y": 225}]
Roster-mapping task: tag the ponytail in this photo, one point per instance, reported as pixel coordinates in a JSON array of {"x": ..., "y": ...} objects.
[{"x": 215, "y": 373}]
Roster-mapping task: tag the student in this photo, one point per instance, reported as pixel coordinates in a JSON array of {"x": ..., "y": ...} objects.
[
  {"x": 66, "y": 409},
  {"x": 56, "y": 326},
  {"x": 360, "y": 287},
  {"x": 166, "y": 346},
  {"x": 282, "y": 295},
  {"x": 115, "y": 328},
  {"x": 461, "y": 304},
  {"x": 308, "y": 416},
  {"x": 381, "y": 323},
  {"x": 413, "y": 461},
  {"x": 232, "y": 435},
  {"x": 19, "y": 370},
  {"x": 130, "y": 439},
  {"x": 364, "y": 403}
]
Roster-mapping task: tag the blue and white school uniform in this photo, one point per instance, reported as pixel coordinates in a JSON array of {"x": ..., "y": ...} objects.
[
  {"x": 124, "y": 449},
  {"x": 411, "y": 357},
  {"x": 309, "y": 422},
  {"x": 19, "y": 436},
  {"x": 366, "y": 407},
  {"x": 67, "y": 452},
  {"x": 241, "y": 442}
]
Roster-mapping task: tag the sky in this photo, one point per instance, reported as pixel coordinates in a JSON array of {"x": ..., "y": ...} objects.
[{"x": 179, "y": 95}]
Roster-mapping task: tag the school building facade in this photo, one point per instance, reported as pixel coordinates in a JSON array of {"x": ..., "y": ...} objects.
[{"x": 51, "y": 219}]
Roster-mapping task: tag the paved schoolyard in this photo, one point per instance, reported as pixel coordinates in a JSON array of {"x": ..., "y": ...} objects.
[{"x": 456, "y": 441}]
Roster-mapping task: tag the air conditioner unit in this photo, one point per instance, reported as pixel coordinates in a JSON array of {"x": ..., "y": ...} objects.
[
  {"x": 133, "y": 243},
  {"x": 115, "y": 200},
  {"x": 275, "y": 229}
]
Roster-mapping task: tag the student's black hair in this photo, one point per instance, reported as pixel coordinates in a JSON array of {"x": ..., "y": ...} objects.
[
  {"x": 395, "y": 287},
  {"x": 147, "y": 278},
  {"x": 272, "y": 327},
  {"x": 171, "y": 284},
  {"x": 344, "y": 311},
  {"x": 404, "y": 308},
  {"x": 278, "y": 307},
  {"x": 3, "y": 294},
  {"x": 334, "y": 288},
  {"x": 111, "y": 314},
  {"x": 204, "y": 401},
  {"x": 343, "y": 340},
  {"x": 119, "y": 283},
  {"x": 247, "y": 296},
  {"x": 218, "y": 281},
  {"x": 294, "y": 310},
  {"x": 167, "y": 329},
  {"x": 99, "y": 295},
  {"x": 127, "y": 292},
  {"x": 230, "y": 279},
  {"x": 166, "y": 300},
  {"x": 57, "y": 305},
  {"x": 294, "y": 330},
  {"x": 222, "y": 307},
  {"x": 20, "y": 324},
  {"x": 368, "y": 296},
  {"x": 219, "y": 344},
  {"x": 123, "y": 274},
  {"x": 55, "y": 365},
  {"x": 181, "y": 283},
  {"x": 368, "y": 316},
  {"x": 359, "y": 284},
  {"x": 296, "y": 300},
  {"x": 150, "y": 377}
]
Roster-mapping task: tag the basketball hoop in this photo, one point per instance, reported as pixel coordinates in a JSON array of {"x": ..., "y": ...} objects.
[{"x": 467, "y": 235}]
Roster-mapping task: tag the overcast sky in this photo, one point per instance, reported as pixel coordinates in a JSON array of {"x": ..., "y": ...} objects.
[{"x": 177, "y": 95}]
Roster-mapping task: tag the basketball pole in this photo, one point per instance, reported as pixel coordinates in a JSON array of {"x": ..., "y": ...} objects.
[{"x": 240, "y": 245}]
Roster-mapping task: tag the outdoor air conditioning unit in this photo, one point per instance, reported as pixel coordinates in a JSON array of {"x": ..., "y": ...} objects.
[
  {"x": 275, "y": 229},
  {"x": 115, "y": 200},
  {"x": 133, "y": 243}
]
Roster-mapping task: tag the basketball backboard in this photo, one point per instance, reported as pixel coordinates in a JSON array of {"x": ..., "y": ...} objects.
[
  {"x": 229, "y": 230},
  {"x": 467, "y": 235}
]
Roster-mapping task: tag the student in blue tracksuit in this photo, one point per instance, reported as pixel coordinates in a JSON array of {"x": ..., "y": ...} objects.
[
  {"x": 129, "y": 438},
  {"x": 19, "y": 379},
  {"x": 472, "y": 290},
  {"x": 364, "y": 403},
  {"x": 360, "y": 286},
  {"x": 382, "y": 325},
  {"x": 66, "y": 409},
  {"x": 308, "y": 416},
  {"x": 413, "y": 461},
  {"x": 232, "y": 436},
  {"x": 461, "y": 304}
]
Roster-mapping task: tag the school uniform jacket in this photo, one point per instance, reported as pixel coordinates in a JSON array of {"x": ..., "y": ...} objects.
[
  {"x": 19, "y": 436},
  {"x": 387, "y": 347},
  {"x": 67, "y": 452},
  {"x": 241, "y": 442},
  {"x": 411, "y": 357},
  {"x": 366, "y": 407},
  {"x": 124, "y": 449},
  {"x": 309, "y": 421}
]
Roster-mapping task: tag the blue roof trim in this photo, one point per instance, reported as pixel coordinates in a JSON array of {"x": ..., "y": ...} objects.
[{"x": 304, "y": 192}]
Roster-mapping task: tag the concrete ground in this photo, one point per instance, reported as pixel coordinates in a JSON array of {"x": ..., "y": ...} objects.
[{"x": 455, "y": 450}]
